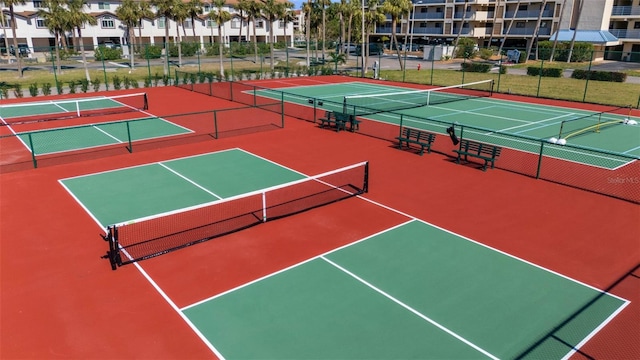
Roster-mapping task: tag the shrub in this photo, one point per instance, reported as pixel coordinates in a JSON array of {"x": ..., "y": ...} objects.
[
  {"x": 147, "y": 81},
  {"x": 95, "y": 83},
  {"x": 187, "y": 49},
  {"x": 46, "y": 89},
  {"x": 59, "y": 88},
  {"x": 33, "y": 89},
  {"x": 84, "y": 85},
  {"x": 466, "y": 48},
  {"x": 151, "y": 52},
  {"x": 72, "y": 87},
  {"x": 486, "y": 54},
  {"x": 17, "y": 90},
  {"x": 547, "y": 72},
  {"x": 476, "y": 67},
  {"x": 503, "y": 69},
  {"x": 126, "y": 82},
  {"x": 599, "y": 75},
  {"x": 105, "y": 53},
  {"x": 117, "y": 82},
  {"x": 5, "y": 91}
]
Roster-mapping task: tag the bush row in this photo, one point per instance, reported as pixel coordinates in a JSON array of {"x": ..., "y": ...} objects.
[
  {"x": 599, "y": 75},
  {"x": 549, "y": 72}
]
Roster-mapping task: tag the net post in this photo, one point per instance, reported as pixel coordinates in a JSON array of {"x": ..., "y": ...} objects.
[
  {"x": 282, "y": 109},
  {"x": 365, "y": 187},
  {"x": 33, "y": 152},
  {"x": 264, "y": 207},
  {"x": 113, "y": 254},
  {"x": 540, "y": 159},
  {"x": 145, "y": 99},
  {"x": 215, "y": 124},
  {"x": 491, "y": 87},
  {"x": 130, "y": 147},
  {"x": 78, "y": 108}
]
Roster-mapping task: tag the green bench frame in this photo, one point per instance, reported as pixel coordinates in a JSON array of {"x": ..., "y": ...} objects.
[
  {"x": 479, "y": 150},
  {"x": 417, "y": 137},
  {"x": 339, "y": 121}
]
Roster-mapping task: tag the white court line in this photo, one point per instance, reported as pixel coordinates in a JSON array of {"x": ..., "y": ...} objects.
[
  {"x": 104, "y": 132},
  {"x": 190, "y": 181},
  {"x": 537, "y": 122}
]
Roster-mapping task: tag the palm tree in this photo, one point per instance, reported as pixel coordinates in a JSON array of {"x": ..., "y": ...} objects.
[
  {"x": 243, "y": 7},
  {"x": 179, "y": 16},
  {"x": 127, "y": 12},
  {"x": 194, "y": 9},
  {"x": 287, "y": 16},
  {"x": 324, "y": 4},
  {"x": 396, "y": 9},
  {"x": 504, "y": 37},
  {"x": 12, "y": 16},
  {"x": 575, "y": 31},
  {"x": 164, "y": 9},
  {"x": 254, "y": 11},
  {"x": 307, "y": 8},
  {"x": 77, "y": 18},
  {"x": 352, "y": 9},
  {"x": 270, "y": 10},
  {"x": 555, "y": 41},
  {"x": 536, "y": 30},
  {"x": 3, "y": 24},
  {"x": 143, "y": 11},
  {"x": 220, "y": 16},
  {"x": 495, "y": 16},
  {"x": 372, "y": 18},
  {"x": 55, "y": 20},
  {"x": 464, "y": 14}
]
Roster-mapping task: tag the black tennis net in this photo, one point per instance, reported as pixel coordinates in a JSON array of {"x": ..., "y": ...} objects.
[{"x": 152, "y": 236}]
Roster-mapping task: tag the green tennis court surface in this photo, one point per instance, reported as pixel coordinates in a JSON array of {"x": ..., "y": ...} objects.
[
  {"x": 151, "y": 189},
  {"x": 89, "y": 136},
  {"x": 412, "y": 291},
  {"x": 501, "y": 118}
]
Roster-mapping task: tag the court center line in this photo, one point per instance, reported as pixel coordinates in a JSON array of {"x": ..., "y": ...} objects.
[
  {"x": 106, "y": 133},
  {"x": 537, "y": 122},
  {"x": 190, "y": 181},
  {"x": 410, "y": 309}
]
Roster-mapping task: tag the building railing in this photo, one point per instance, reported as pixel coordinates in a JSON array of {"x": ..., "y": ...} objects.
[
  {"x": 625, "y": 10},
  {"x": 625, "y": 34},
  {"x": 428, "y": 15},
  {"x": 528, "y": 14}
]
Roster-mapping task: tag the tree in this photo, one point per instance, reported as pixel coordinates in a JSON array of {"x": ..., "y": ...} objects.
[
  {"x": 536, "y": 30},
  {"x": 179, "y": 16},
  {"x": 194, "y": 9},
  {"x": 55, "y": 20},
  {"x": 396, "y": 9},
  {"x": 555, "y": 41},
  {"x": 351, "y": 10},
  {"x": 307, "y": 8},
  {"x": 143, "y": 11},
  {"x": 254, "y": 11},
  {"x": 243, "y": 7},
  {"x": 220, "y": 16},
  {"x": 323, "y": 4},
  {"x": 464, "y": 14},
  {"x": 12, "y": 16},
  {"x": 575, "y": 32},
  {"x": 372, "y": 18},
  {"x": 77, "y": 18},
  {"x": 270, "y": 10},
  {"x": 287, "y": 16},
  {"x": 495, "y": 16},
  {"x": 504, "y": 36},
  {"x": 128, "y": 14},
  {"x": 164, "y": 9}
]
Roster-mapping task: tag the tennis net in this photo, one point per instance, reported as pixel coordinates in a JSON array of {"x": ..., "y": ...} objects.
[
  {"x": 375, "y": 103},
  {"x": 591, "y": 123},
  {"x": 64, "y": 109},
  {"x": 159, "y": 234}
]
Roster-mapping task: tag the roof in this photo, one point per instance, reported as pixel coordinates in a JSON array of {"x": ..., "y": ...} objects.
[{"x": 590, "y": 36}]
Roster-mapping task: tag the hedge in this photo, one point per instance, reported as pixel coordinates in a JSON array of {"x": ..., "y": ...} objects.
[
  {"x": 549, "y": 72},
  {"x": 599, "y": 75},
  {"x": 476, "y": 67}
]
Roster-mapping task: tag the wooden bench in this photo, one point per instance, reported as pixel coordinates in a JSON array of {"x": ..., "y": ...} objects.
[
  {"x": 417, "y": 137},
  {"x": 339, "y": 121},
  {"x": 479, "y": 150}
]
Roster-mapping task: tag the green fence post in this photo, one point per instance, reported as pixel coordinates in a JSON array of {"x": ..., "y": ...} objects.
[
  {"x": 215, "y": 124},
  {"x": 464, "y": 62},
  {"x": 540, "y": 160},
  {"x": 53, "y": 63},
  {"x": 499, "y": 73},
  {"x": 586, "y": 84},
  {"x": 33, "y": 152},
  {"x": 104, "y": 71},
  {"x": 286, "y": 70},
  {"x": 433, "y": 60},
  {"x": 400, "y": 128},
  {"x": 130, "y": 148},
  {"x": 146, "y": 54},
  {"x": 198, "y": 53},
  {"x": 282, "y": 109},
  {"x": 231, "y": 57},
  {"x": 404, "y": 65},
  {"x": 540, "y": 77}
]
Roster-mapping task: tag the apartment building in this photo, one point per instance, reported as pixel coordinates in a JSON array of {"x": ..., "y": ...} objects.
[
  {"x": 31, "y": 28},
  {"x": 611, "y": 25}
]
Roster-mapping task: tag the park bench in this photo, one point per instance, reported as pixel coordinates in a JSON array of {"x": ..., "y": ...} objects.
[
  {"x": 479, "y": 150},
  {"x": 339, "y": 121},
  {"x": 420, "y": 138}
]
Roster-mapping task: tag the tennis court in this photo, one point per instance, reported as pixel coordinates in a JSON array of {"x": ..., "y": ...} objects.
[
  {"x": 22, "y": 120},
  {"x": 498, "y": 118},
  {"x": 393, "y": 294}
]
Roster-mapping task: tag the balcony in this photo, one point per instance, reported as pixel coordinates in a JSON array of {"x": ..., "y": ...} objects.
[
  {"x": 427, "y": 30},
  {"x": 625, "y": 34},
  {"x": 429, "y": 1},
  {"x": 625, "y": 10},
  {"x": 527, "y": 31},
  {"x": 528, "y": 14},
  {"x": 428, "y": 15}
]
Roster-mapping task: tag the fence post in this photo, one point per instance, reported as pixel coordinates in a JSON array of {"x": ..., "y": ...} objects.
[
  {"x": 540, "y": 77},
  {"x": 104, "y": 71},
  {"x": 130, "y": 148},
  {"x": 499, "y": 73},
  {"x": 433, "y": 60},
  {"x": 33, "y": 152},
  {"x": 146, "y": 54},
  {"x": 215, "y": 124},
  {"x": 540, "y": 159},
  {"x": 282, "y": 109},
  {"x": 586, "y": 84}
]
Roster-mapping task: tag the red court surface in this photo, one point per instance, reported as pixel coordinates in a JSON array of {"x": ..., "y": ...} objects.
[{"x": 60, "y": 300}]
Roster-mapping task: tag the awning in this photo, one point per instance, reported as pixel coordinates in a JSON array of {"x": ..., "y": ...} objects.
[{"x": 601, "y": 37}]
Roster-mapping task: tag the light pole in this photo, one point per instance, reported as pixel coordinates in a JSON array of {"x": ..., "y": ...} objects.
[{"x": 362, "y": 53}]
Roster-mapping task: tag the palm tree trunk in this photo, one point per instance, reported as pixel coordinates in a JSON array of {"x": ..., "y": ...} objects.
[
  {"x": 57, "y": 44},
  {"x": 166, "y": 46},
  {"x": 464, "y": 14},
  {"x": 255, "y": 40},
  {"x": 504, "y": 38},
  {"x": 132, "y": 36},
  {"x": 84, "y": 56},
  {"x": 535, "y": 30},
  {"x": 555, "y": 41},
  {"x": 179, "y": 46},
  {"x": 15, "y": 39},
  {"x": 324, "y": 28},
  {"x": 220, "y": 50},
  {"x": 271, "y": 45},
  {"x": 308, "y": 39},
  {"x": 575, "y": 32},
  {"x": 495, "y": 16},
  {"x": 394, "y": 22},
  {"x": 349, "y": 34}
]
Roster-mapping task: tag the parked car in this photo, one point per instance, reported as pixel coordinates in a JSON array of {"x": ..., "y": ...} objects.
[
  {"x": 374, "y": 49},
  {"x": 23, "y": 50},
  {"x": 110, "y": 45}
]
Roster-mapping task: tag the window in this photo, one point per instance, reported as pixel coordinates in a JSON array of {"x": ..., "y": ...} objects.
[
  {"x": 489, "y": 25},
  {"x": 235, "y": 23},
  {"x": 523, "y": 8},
  {"x": 438, "y": 10},
  {"x": 438, "y": 25},
  {"x": 140, "y": 24},
  {"x": 260, "y": 24},
  {"x": 103, "y": 6},
  {"x": 424, "y": 10},
  {"x": 161, "y": 23},
  {"x": 520, "y": 25},
  {"x": 37, "y": 4},
  {"x": 7, "y": 23},
  {"x": 187, "y": 24},
  {"x": 211, "y": 24},
  {"x": 636, "y": 25},
  {"x": 108, "y": 23},
  {"x": 41, "y": 24},
  {"x": 207, "y": 8}
]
